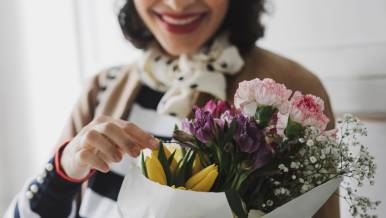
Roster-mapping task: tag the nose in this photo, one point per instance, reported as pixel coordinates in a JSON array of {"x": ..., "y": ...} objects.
[{"x": 179, "y": 5}]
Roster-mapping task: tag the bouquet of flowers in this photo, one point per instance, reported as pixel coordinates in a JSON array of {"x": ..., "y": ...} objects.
[{"x": 261, "y": 157}]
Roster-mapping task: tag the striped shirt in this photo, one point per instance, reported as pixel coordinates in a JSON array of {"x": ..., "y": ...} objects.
[{"x": 50, "y": 196}]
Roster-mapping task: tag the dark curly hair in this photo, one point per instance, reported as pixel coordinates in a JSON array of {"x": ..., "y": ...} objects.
[{"x": 242, "y": 21}]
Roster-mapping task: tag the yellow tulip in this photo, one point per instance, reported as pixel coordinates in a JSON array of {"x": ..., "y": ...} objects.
[
  {"x": 206, "y": 184},
  {"x": 201, "y": 176},
  {"x": 173, "y": 164},
  {"x": 180, "y": 188},
  {"x": 196, "y": 165},
  {"x": 154, "y": 170}
]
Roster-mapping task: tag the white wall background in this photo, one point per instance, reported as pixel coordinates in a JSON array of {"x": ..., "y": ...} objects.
[
  {"x": 39, "y": 81},
  {"x": 101, "y": 41},
  {"x": 343, "y": 41},
  {"x": 13, "y": 119},
  {"x": 47, "y": 47}
]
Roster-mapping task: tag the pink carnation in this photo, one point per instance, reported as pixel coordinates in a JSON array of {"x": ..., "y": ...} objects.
[
  {"x": 308, "y": 110},
  {"x": 267, "y": 92}
]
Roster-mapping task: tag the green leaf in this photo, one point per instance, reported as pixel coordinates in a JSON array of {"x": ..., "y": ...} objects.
[
  {"x": 165, "y": 165},
  {"x": 229, "y": 180},
  {"x": 203, "y": 160},
  {"x": 184, "y": 170},
  {"x": 227, "y": 162},
  {"x": 236, "y": 203},
  {"x": 230, "y": 132},
  {"x": 181, "y": 162},
  {"x": 233, "y": 126},
  {"x": 144, "y": 170},
  {"x": 243, "y": 176},
  {"x": 234, "y": 180},
  {"x": 255, "y": 194},
  {"x": 170, "y": 159},
  {"x": 183, "y": 151},
  {"x": 264, "y": 115},
  {"x": 294, "y": 129},
  {"x": 189, "y": 166},
  {"x": 219, "y": 155}
]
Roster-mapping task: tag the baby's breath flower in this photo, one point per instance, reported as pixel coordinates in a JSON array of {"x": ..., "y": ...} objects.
[
  {"x": 276, "y": 183},
  {"x": 283, "y": 168},
  {"x": 310, "y": 142},
  {"x": 328, "y": 156},
  {"x": 327, "y": 150},
  {"x": 305, "y": 188},
  {"x": 321, "y": 138},
  {"x": 313, "y": 159},
  {"x": 294, "y": 165}
]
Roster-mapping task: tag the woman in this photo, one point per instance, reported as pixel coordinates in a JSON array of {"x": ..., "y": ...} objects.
[{"x": 194, "y": 50}]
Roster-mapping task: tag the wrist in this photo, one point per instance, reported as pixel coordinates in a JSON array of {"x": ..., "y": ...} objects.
[{"x": 76, "y": 177}]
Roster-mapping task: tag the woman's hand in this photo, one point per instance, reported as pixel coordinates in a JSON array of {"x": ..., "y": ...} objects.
[{"x": 104, "y": 141}]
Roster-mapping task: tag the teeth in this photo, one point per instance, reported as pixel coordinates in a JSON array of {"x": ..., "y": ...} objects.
[{"x": 180, "y": 21}]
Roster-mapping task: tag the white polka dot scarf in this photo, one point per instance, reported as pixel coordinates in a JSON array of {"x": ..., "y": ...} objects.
[{"x": 181, "y": 77}]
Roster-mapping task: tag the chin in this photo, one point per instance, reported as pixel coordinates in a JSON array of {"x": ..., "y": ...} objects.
[{"x": 179, "y": 50}]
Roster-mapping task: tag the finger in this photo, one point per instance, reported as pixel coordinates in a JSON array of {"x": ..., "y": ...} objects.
[
  {"x": 135, "y": 151},
  {"x": 106, "y": 158},
  {"x": 94, "y": 161},
  {"x": 116, "y": 134},
  {"x": 97, "y": 120},
  {"x": 95, "y": 139},
  {"x": 139, "y": 136},
  {"x": 100, "y": 119}
]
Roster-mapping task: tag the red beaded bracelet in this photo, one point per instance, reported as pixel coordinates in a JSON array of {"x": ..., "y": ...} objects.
[{"x": 59, "y": 170}]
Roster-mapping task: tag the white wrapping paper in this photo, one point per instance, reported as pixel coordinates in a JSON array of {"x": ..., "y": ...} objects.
[
  {"x": 142, "y": 198},
  {"x": 307, "y": 204}
]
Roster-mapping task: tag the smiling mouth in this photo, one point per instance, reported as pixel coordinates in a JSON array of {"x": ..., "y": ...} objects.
[{"x": 181, "y": 23}]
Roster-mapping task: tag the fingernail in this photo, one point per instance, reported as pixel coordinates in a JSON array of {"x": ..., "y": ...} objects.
[{"x": 154, "y": 142}]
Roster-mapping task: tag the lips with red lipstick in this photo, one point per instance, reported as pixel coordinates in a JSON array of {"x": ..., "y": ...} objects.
[{"x": 181, "y": 23}]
